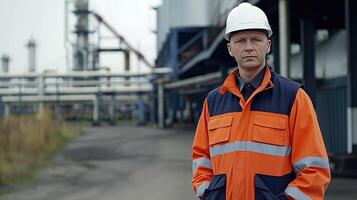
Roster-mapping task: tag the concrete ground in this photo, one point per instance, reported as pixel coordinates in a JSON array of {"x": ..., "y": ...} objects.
[{"x": 128, "y": 163}]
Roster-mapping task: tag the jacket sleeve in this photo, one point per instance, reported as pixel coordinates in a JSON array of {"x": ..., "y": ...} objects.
[
  {"x": 309, "y": 157},
  {"x": 201, "y": 162}
]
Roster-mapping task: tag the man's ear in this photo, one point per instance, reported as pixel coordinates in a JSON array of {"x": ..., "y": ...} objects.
[
  {"x": 229, "y": 49},
  {"x": 268, "y": 46}
]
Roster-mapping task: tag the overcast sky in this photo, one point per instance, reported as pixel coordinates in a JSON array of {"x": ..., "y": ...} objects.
[{"x": 43, "y": 20}]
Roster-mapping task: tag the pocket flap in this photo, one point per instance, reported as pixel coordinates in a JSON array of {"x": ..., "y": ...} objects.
[
  {"x": 220, "y": 122},
  {"x": 273, "y": 184},
  {"x": 218, "y": 181},
  {"x": 271, "y": 122}
]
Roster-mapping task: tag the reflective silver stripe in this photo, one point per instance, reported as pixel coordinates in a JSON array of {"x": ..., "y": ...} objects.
[
  {"x": 311, "y": 161},
  {"x": 296, "y": 193},
  {"x": 205, "y": 162},
  {"x": 251, "y": 146},
  {"x": 201, "y": 189}
]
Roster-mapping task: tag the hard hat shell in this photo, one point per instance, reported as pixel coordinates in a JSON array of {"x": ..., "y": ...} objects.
[{"x": 246, "y": 16}]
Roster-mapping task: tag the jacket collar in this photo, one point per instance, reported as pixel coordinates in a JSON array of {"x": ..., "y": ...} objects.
[{"x": 230, "y": 83}]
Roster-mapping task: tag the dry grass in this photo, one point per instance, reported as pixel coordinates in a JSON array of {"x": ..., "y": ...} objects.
[{"x": 27, "y": 141}]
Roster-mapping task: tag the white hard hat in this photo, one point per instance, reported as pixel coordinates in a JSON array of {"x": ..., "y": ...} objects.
[{"x": 246, "y": 16}]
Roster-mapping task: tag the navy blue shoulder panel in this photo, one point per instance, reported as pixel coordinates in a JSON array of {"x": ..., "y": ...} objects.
[
  {"x": 279, "y": 99},
  {"x": 222, "y": 103}
]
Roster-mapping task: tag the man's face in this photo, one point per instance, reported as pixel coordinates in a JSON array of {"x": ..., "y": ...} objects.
[{"x": 249, "y": 48}]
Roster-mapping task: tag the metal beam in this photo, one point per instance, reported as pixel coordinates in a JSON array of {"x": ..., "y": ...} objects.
[
  {"x": 122, "y": 39},
  {"x": 110, "y": 49},
  {"x": 351, "y": 27},
  {"x": 161, "y": 104},
  {"x": 308, "y": 55}
]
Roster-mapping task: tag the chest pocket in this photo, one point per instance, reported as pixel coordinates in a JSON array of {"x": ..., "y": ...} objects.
[
  {"x": 270, "y": 130},
  {"x": 219, "y": 129}
]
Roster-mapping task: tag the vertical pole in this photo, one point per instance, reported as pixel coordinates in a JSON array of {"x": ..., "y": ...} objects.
[
  {"x": 173, "y": 97},
  {"x": 82, "y": 31},
  {"x": 351, "y": 27},
  {"x": 96, "y": 110},
  {"x": 5, "y": 60},
  {"x": 31, "y": 45},
  {"x": 308, "y": 55},
  {"x": 154, "y": 101},
  {"x": 41, "y": 92},
  {"x": 174, "y": 53},
  {"x": 7, "y": 110},
  {"x": 141, "y": 106},
  {"x": 66, "y": 34},
  {"x": 284, "y": 33},
  {"x": 126, "y": 60},
  {"x": 58, "y": 103},
  {"x": 276, "y": 52},
  {"x": 181, "y": 107},
  {"x": 111, "y": 110},
  {"x": 161, "y": 106}
]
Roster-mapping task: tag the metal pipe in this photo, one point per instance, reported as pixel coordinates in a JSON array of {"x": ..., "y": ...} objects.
[
  {"x": 87, "y": 74},
  {"x": 96, "y": 110},
  {"x": 7, "y": 110},
  {"x": 74, "y": 98},
  {"x": 96, "y": 83},
  {"x": 210, "y": 78},
  {"x": 111, "y": 110},
  {"x": 77, "y": 90},
  {"x": 66, "y": 34},
  {"x": 41, "y": 92},
  {"x": 126, "y": 61},
  {"x": 284, "y": 35},
  {"x": 161, "y": 106}
]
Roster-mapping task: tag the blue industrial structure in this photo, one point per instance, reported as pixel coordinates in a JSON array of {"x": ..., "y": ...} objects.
[{"x": 197, "y": 50}]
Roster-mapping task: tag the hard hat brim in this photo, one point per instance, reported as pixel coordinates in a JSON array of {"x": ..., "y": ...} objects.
[{"x": 269, "y": 32}]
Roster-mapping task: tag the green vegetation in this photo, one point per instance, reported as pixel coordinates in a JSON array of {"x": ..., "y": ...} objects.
[{"x": 26, "y": 142}]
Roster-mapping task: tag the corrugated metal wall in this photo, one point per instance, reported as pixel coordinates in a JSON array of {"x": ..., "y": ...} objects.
[{"x": 331, "y": 110}]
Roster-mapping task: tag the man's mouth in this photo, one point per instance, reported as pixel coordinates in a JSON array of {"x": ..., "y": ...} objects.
[{"x": 248, "y": 57}]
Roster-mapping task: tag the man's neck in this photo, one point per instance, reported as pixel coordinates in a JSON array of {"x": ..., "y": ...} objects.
[{"x": 247, "y": 75}]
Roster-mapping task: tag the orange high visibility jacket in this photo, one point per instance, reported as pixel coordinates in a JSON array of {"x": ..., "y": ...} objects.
[{"x": 268, "y": 147}]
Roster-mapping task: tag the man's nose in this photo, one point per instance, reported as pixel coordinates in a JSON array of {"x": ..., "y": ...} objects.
[{"x": 248, "y": 46}]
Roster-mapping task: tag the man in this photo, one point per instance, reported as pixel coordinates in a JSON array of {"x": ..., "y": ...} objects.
[{"x": 258, "y": 136}]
